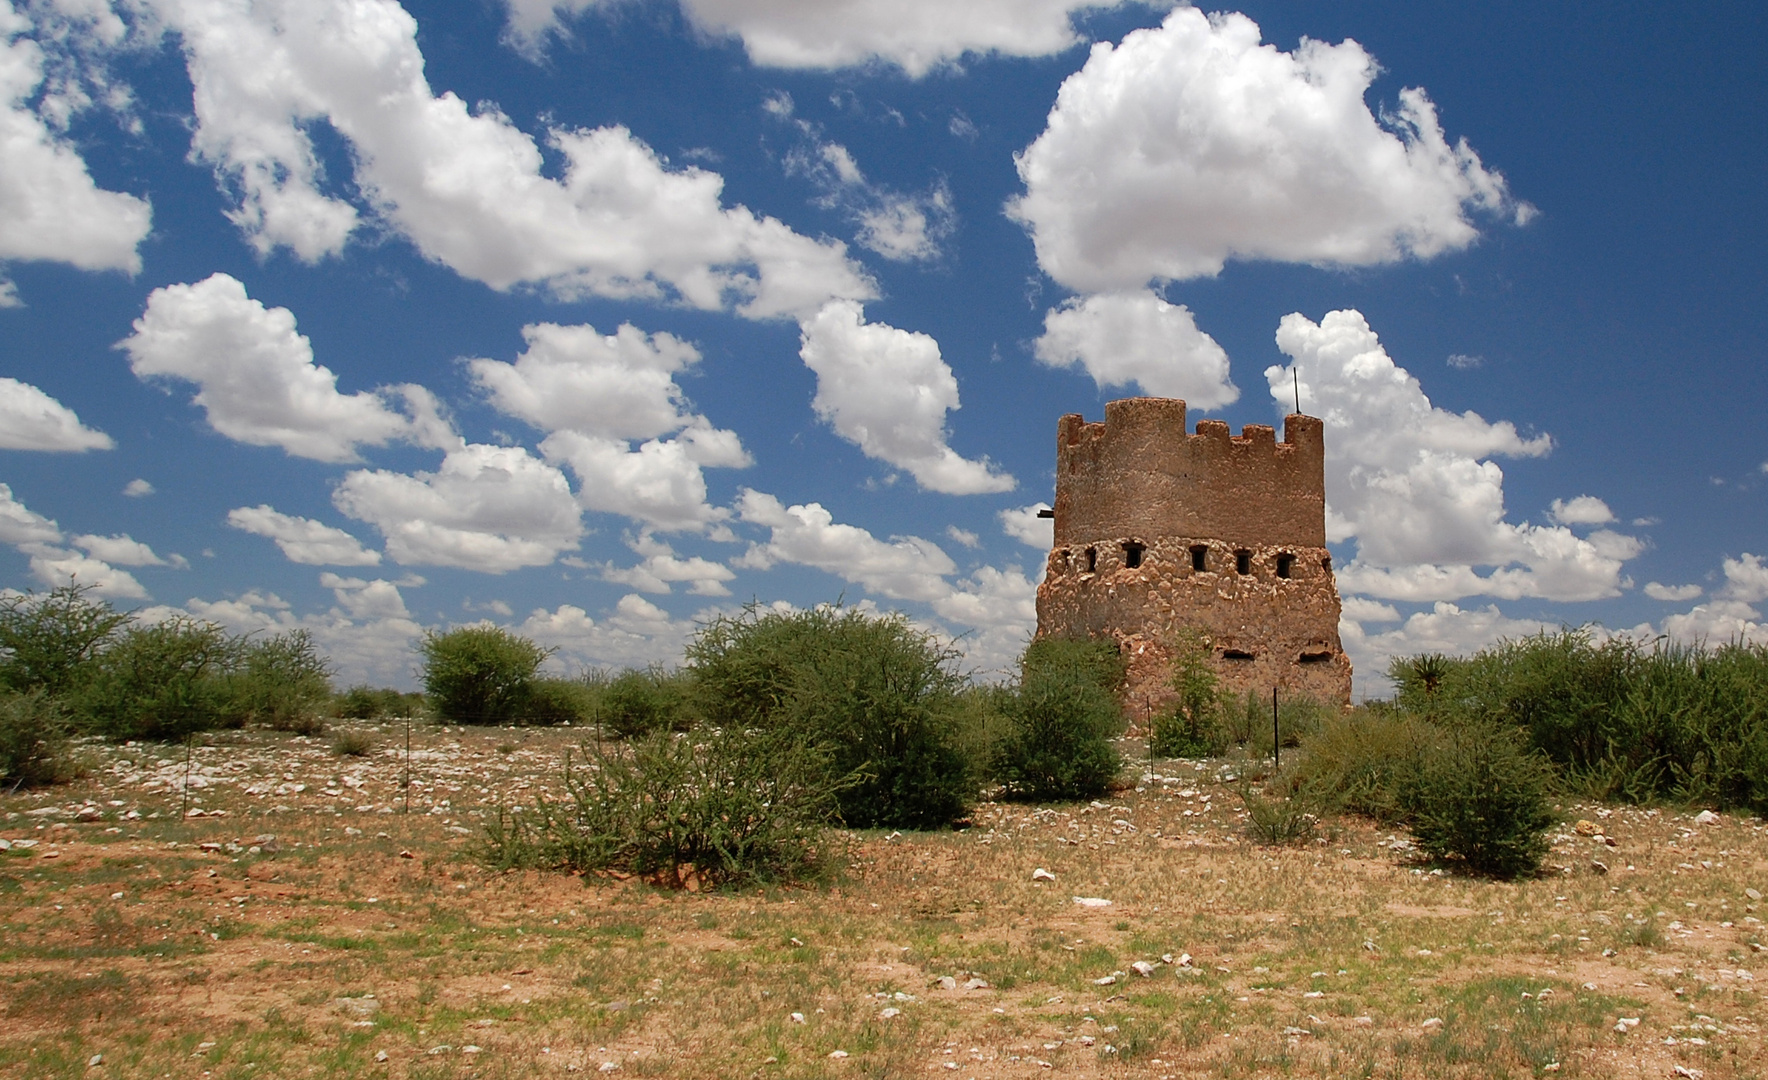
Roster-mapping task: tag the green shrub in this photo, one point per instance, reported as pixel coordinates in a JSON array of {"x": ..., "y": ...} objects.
[
  {"x": 558, "y": 701},
  {"x": 1479, "y": 798},
  {"x": 34, "y": 744},
  {"x": 48, "y": 642},
  {"x": 873, "y": 694},
  {"x": 1365, "y": 762},
  {"x": 1062, "y": 723},
  {"x": 1192, "y": 725},
  {"x": 162, "y": 681},
  {"x": 1285, "y": 819},
  {"x": 352, "y": 743},
  {"x": 282, "y": 683},
  {"x": 479, "y": 674},
  {"x": 726, "y": 807},
  {"x": 363, "y": 702},
  {"x": 640, "y": 702}
]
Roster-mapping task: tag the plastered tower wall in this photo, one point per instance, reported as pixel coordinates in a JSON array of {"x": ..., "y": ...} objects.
[{"x": 1159, "y": 530}]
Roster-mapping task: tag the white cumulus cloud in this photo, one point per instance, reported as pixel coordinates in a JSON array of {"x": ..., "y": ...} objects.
[
  {"x": 124, "y": 549},
  {"x": 1193, "y": 143},
  {"x": 1026, "y": 526},
  {"x": 50, "y": 208},
  {"x": 902, "y": 568},
  {"x": 19, "y": 524},
  {"x": 888, "y": 391},
  {"x": 1583, "y": 510},
  {"x": 303, "y": 540},
  {"x": 487, "y": 508},
  {"x": 917, "y": 36},
  {"x": 57, "y": 567},
  {"x": 1136, "y": 337},
  {"x": 138, "y": 488},
  {"x": 598, "y": 393},
  {"x": 1415, "y": 486},
  {"x": 661, "y": 567},
  {"x": 369, "y": 599},
  {"x": 1672, "y": 592},
  {"x": 637, "y": 634},
  {"x": 32, "y": 420},
  {"x": 464, "y": 184},
  {"x": 257, "y": 380}
]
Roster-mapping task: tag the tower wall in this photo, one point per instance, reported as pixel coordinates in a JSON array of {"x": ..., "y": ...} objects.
[{"x": 1140, "y": 503}]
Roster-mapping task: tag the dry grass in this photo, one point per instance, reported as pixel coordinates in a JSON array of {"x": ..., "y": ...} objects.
[{"x": 171, "y": 959}]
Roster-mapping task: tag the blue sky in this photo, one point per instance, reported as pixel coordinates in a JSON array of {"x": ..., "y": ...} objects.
[{"x": 593, "y": 317}]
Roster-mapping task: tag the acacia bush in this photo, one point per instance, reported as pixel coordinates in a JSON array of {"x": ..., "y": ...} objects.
[
  {"x": 724, "y": 807},
  {"x": 1617, "y": 720},
  {"x": 641, "y": 701},
  {"x": 1479, "y": 798},
  {"x": 1364, "y": 761},
  {"x": 1192, "y": 725},
  {"x": 281, "y": 682},
  {"x": 364, "y": 702},
  {"x": 34, "y": 744},
  {"x": 874, "y": 696},
  {"x": 553, "y": 701},
  {"x": 49, "y": 641},
  {"x": 161, "y": 681},
  {"x": 479, "y": 674},
  {"x": 1062, "y": 722}
]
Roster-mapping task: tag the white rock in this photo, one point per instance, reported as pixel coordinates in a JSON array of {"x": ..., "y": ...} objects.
[
  {"x": 889, "y": 1014},
  {"x": 798, "y": 1018},
  {"x": 1705, "y": 817},
  {"x": 974, "y": 983},
  {"x": 1040, "y": 874},
  {"x": 1092, "y": 901},
  {"x": 94, "y": 1061},
  {"x": 380, "y": 1055},
  {"x": 1107, "y": 980},
  {"x": 608, "y": 1066},
  {"x": 1432, "y": 1024},
  {"x": 1184, "y": 960},
  {"x": 946, "y": 982},
  {"x": 1142, "y": 968},
  {"x": 837, "y": 1054}
]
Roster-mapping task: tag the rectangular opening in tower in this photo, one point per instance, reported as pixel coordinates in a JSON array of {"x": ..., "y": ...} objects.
[
  {"x": 1200, "y": 557},
  {"x": 1243, "y": 562},
  {"x": 1285, "y": 565},
  {"x": 1132, "y": 554},
  {"x": 1092, "y": 560}
]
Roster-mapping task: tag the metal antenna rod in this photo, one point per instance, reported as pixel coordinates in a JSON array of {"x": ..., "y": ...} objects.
[
  {"x": 185, "y": 809},
  {"x": 1276, "y": 740},
  {"x": 1295, "y": 374}
]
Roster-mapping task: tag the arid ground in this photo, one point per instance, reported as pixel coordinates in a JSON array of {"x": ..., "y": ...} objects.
[{"x": 305, "y": 924}]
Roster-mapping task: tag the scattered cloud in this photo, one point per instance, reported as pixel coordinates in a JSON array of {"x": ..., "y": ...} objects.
[
  {"x": 594, "y": 394},
  {"x": 661, "y": 567},
  {"x": 138, "y": 489},
  {"x": 256, "y": 378},
  {"x": 367, "y": 648},
  {"x": 964, "y": 537},
  {"x": 487, "y": 508},
  {"x": 1024, "y": 525},
  {"x": 50, "y": 208},
  {"x": 1732, "y": 614},
  {"x": 303, "y": 540},
  {"x": 904, "y": 568},
  {"x": 1464, "y": 362},
  {"x": 901, "y": 227},
  {"x": 32, "y": 420},
  {"x": 1193, "y": 143},
  {"x": 364, "y": 599},
  {"x": 1583, "y": 510},
  {"x": 464, "y": 184},
  {"x": 1415, "y": 486},
  {"x": 57, "y": 567},
  {"x": 125, "y": 550},
  {"x": 1136, "y": 337},
  {"x": 917, "y": 36},
  {"x": 888, "y": 391},
  {"x": 637, "y": 634},
  {"x": 1672, "y": 592},
  {"x": 21, "y": 525}
]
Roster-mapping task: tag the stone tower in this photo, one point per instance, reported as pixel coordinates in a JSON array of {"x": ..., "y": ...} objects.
[{"x": 1158, "y": 531}]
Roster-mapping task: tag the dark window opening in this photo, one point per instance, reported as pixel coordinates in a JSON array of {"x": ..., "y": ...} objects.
[
  {"x": 1285, "y": 564},
  {"x": 1243, "y": 562},
  {"x": 1236, "y": 654},
  {"x": 1200, "y": 558},
  {"x": 1092, "y": 560},
  {"x": 1326, "y": 564},
  {"x": 1132, "y": 554},
  {"x": 1314, "y": 658}
]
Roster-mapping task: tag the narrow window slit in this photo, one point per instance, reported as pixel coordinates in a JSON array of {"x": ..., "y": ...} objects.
[
  {"x": 1236, "y": 654},
  {"x": 1092, "y": 560},
  {"x": 1200, "y": 557},
  {"x": 1132, "y": 554},
  {"x": 1314, "y": 658},
  {"x": 1285, "y": 565},
  {"x": 1243, "y": 562}
]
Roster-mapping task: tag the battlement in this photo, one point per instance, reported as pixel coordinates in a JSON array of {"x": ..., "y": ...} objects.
[{"x": 1139, "y": 473}]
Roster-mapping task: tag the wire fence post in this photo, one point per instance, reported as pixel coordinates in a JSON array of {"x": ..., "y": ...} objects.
[
  {"x": 184, "y": 811},
  {"x": 408, "y": 761}
]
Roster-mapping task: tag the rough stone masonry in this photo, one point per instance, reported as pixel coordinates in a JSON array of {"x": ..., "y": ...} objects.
[{"x": 1158, "y": 531}]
